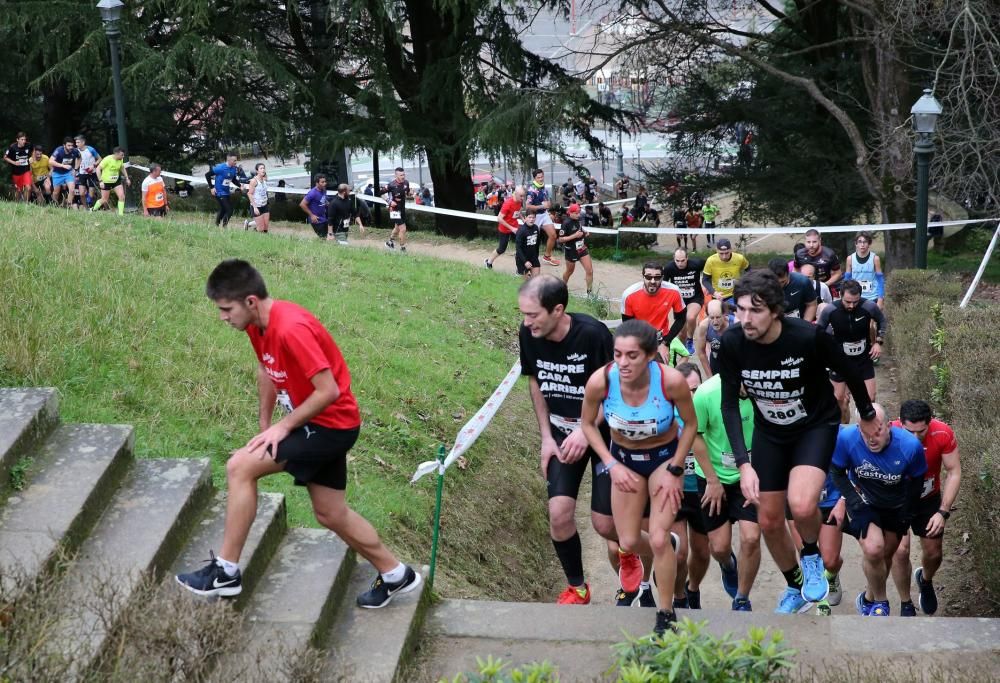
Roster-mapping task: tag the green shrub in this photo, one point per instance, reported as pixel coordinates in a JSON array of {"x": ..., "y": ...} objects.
[
  {"x": 496, "y": 671},
  {"x": 693, "y": 654}
]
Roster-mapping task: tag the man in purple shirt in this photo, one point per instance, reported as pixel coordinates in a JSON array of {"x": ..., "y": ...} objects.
[{"x": 314, "y": 204}]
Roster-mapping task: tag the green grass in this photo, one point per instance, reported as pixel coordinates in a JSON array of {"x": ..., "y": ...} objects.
[{"x": 112, "y": 313}]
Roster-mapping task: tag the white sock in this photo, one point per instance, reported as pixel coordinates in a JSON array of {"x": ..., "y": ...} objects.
[
  {"x": 229, "y": 567},
  {"x": 644, "y": 585},
  {"x": 395, "y": 575}
]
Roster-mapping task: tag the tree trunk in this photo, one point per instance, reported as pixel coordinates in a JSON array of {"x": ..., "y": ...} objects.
[{"x": 452, "y": 190}]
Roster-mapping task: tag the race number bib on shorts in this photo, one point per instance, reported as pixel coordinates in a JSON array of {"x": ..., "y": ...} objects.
[
  {"x": 854, "y": 348},
  {"x": 727, "y": 282},
  {"x": 566, "y": 425},
  {"x": 395, "y": 215},
  {"x": 781, "y": 412},
  {"x": 285, "y": 401},
  {"x": 632, "y": 429},
  {"x": 581, "y": 245},
  {"x": 928, "y": 487}
]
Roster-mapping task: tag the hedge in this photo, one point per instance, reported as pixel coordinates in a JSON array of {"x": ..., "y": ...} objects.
[{"x": 945, "y": 355}]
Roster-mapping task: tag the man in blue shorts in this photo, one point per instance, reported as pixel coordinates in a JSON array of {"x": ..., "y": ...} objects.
[{"x": 63, "y": 162}]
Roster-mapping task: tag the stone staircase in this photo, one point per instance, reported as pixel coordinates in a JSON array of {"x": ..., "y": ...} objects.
[{"x": 90, "y": 520}]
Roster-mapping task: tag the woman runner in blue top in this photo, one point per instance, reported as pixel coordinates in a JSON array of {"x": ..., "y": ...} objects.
[{"x": 648, "y": 447}]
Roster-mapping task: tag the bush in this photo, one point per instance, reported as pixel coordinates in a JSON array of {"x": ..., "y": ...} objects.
[
  {"x": 693, "y": 654},
  {"x": 496, "y": 671}
]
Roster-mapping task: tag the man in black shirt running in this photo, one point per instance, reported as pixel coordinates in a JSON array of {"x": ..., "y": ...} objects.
[
  {"x": 398, "y": 189},
  {"x": 782, "y": 362},
  {"x": 849, "y": 320},
  {"x": 686, "y": 274},
  {"x": 342, "y": 209},
  {"x": 559, "y": 352}
]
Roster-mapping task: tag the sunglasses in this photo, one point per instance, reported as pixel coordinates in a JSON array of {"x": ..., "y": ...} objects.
[{"x": 652, "y": 278}]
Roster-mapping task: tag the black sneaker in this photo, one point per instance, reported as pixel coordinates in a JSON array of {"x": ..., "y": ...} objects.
[
  {"x": 664, "y": 620},
  {"x": 646, "y": 598},
  {"x": 928, "y": 598},
  {"x": 623, "y": 599},
  {"x": 382, "y": 592},
  {"x": 402, "y": 248},
  {"x": 693, "y": 597},
  {"x": 212, "y": 580},
  {"x": 681, "y": 603},
  {"x": 390, "y": 244}
]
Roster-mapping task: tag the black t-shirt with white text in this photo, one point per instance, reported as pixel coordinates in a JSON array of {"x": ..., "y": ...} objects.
[
  {"x": 563, "y": 368},
  {"x": 687, "y": 280},
  {"x": 20, "y": 156}
]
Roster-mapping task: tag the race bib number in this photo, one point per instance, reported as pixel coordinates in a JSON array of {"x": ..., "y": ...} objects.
[
  {"x": 285, "y": 401},
  {"x": 566, "y": 425},
  {"x": 112, "y": 178},
  {"x": 687, "y": 292},
  {"x": 227, "y": 183},
  {"x": 781, "y": 412},
  {"x": 928, "y": 487},
  {"x": 395, "y": 215},
  {"x": 633, "y": 430},
  {"x": 158, "y": 197},
  {"x": 854, "y": 348},
  {"x": 346, "y": 223},
  {"x": 182, "y": 193},
  {"x": 727, "y": 283},
  {"x": 867, "y": 286},
  {"x": 22, "y": 162},
  {"x": 689, "y": 464},
  {"x": 581, "y": 245},
  {"x": 728, "y": 460}
]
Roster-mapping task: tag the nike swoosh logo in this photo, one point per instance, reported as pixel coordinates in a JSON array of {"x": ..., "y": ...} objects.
[
  {"x": 857, "y": 320},
  {"x": 794, "y": 293},
  {"x": 217, "y": 584}
]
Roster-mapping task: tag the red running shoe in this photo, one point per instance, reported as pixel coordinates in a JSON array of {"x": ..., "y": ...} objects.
[
  {"x": 629, "y": 571},
  {"x": 572, "y": 596}
]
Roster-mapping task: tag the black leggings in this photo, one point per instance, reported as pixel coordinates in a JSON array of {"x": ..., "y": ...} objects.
[
  {"x": 225, "y": 210},
  {"x": 502, "y": 242}
]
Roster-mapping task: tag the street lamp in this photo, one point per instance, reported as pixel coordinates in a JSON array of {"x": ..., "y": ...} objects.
[
  {"x": 925, "y": 113},
  {"x": 111, "y": 14}
]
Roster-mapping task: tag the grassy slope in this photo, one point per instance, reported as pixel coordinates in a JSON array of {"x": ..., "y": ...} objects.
[{"x": 112, "y": 312}]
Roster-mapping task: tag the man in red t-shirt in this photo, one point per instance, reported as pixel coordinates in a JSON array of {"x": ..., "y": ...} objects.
[
  {"x": 301, "y": 370},
  {"x": 507, "y": 225},
  {"x": 654, "y": 302},
  {"x": 936, "y": 501}
]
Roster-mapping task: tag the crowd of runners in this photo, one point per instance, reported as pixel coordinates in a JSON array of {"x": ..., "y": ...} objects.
[
  {"x": 752, "y": 430},
  {"x": 689, "y": 421}
]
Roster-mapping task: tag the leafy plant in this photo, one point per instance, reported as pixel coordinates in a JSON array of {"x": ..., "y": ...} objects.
[
  {"x": 692, "y": 653},
  {"x": 19, "y": 473},
  {"x": 495, "y": 671}
]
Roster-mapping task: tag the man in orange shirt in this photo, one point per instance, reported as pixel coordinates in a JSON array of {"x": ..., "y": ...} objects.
[
  {"x": 652, "y": 301},
  {"x": 154, "y": 193}
]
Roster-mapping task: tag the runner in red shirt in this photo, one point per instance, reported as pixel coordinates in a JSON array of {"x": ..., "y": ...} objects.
[
  {"x": 510, "y": 211},
  {"x": 936, "y": 501},
  {"x": 301, "y": 370},
  {"x": 654, "y": 302}
]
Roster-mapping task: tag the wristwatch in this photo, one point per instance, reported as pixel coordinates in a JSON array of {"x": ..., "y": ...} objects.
[
  {"x": 675, "y": 470},
  {"x": 944, "y": 513}
]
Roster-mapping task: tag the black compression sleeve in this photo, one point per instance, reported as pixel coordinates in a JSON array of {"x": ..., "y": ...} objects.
[
  {"x": 828, "y": 348},
  {"x": 881, "y": 323},
  {"x": 675, "y": 329},
  {"x": 731, "y": 417},
  {"x": 210, "y": 177},
  {"x": 845, "y": 487},
  {"x": 706, "y": 281}
]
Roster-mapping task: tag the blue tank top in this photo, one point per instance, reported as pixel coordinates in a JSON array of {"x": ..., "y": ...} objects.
[
  {"x": 714, "y": 340},
  {"x": 864, "y": 273},
  {"x": 653, "y": 418}
]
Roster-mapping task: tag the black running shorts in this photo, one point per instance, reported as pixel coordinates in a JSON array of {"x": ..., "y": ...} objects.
[
  {"x": 692, "y": 512},
  {"x": 926, "y": 509},
  {"x": 865, "y": 366},
  {"x": 317, "y": 455},
  {"x": 564, "y": 479},
  {"x": 732, "y": 506},
  {"x": 774, "y": 455},
  {"x": 889, "y": 521}
]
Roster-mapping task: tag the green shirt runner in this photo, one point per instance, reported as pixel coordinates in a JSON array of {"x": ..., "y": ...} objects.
[
  {"x": 708, "y": 408},
  {"x": 111, "y": 169},
  {"x": 709, "y": 212}
]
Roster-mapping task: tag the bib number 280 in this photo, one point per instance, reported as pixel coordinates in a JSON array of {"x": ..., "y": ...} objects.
[{"x": 782, "y": 412}]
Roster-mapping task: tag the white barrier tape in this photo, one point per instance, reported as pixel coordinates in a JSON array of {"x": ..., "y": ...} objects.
[
  {"x": 720, "y": 230},
  {"x": 474, "y": 427}
]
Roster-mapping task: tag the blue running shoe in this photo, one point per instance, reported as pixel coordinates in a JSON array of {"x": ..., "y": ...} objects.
[
  {"x": 791, "y": 602},
  {"x": 906, "y": 609},
  {"x": 928, "y": 597},
  {"x": 730, "y": 577},
  {"x": 879, "y": 609},
  {"x": 741, "y": 605},
  {"x": 862, "y": 605},
  {"x": 815, "y": 587}
]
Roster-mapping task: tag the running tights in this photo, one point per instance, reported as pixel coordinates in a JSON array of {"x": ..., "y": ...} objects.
[{"x": 225, "y": 210}]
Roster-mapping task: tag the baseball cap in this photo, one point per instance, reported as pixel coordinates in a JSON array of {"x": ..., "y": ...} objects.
[{"x": 723, "y": 244}]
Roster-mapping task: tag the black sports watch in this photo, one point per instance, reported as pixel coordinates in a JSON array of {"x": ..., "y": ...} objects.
[
  {"x": 675, "y": 470},
  {"x": 944, "y": 513}
]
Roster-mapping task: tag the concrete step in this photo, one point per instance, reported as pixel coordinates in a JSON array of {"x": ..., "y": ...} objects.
[
  {"x": 577, "y": 640},
  {"x": 25, "y": 416},
  {"x": 292, "y": 608},
  {"x": 140, "y": 532},
  {"x": 76, "y": 471},
  {"x": 266, "y": 533},
  {"x": 372, "y": 645}
]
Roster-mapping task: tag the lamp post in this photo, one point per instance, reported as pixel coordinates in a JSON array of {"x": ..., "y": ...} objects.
[
  {"x": 621, "y": 156},
  {"x": 925, "y": 113},
  {"x": 111, "y": 14}
]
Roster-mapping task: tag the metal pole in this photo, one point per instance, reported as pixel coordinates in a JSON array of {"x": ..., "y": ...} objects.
[
  {"x": 621, "y": 157},
  {"x": 437, "y": 517},
  {"x": 111, "y": 28},
  {"x": 982, "y": 269},
  {"x": 420, "y": 167},
  {"x": 924, "y": 150}
]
